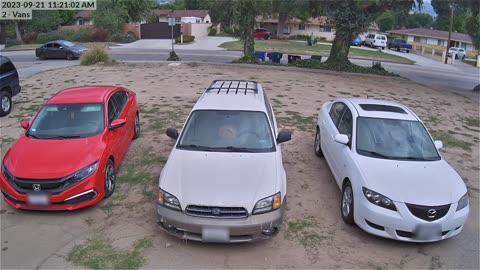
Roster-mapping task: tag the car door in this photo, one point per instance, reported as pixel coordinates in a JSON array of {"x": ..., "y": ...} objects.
[
  {"x": 114, "y": 136},
  {"x": 125, "y": 133},
  {"x": 47, "y": 50},
  {"x": 341, "y": 153},
  {"x": 328, "y": 130},
  {"x": 58, "y": 51}
]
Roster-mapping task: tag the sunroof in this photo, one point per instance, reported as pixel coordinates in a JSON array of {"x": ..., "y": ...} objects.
[{"x": 382, "y": 108}]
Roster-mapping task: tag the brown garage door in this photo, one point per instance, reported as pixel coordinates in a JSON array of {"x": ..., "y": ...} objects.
[{"x": 159, "y": 30}]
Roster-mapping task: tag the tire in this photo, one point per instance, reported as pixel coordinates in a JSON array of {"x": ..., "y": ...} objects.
[
  {"x": 408, "y": 51},
  {"x": 463, "y": 58},
  {"x": 70, "y": 56},
  {"x": 42, "y": 56},
  {"x": 5, "y": 103},
  {"x": 346, "y": 205},
  {"x": 110, "y": 179},
  {"x": 266, "y": 37},
  {"x": 136, "y": 127},
  {"x": 317, "y": 147}
]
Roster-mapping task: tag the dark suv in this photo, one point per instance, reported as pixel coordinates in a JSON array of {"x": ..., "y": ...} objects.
[{"x": 9, "y": 85}]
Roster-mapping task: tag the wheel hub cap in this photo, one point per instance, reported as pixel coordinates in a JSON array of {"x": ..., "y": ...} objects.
[
  {"x": 346, "y": 201},
  {"x": 5, "y": 104}
]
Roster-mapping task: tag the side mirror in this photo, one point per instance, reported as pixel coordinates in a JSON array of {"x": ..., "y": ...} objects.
[
  {"x": 25, "y": 124},
  {"x": 117, "y": 123},
  {"x": 284, "y": 136},
  {"x": 439, "y": 145},
  {"x": 341, "y": 138},
  {"x": 61, "y": 48},
  {"x": 172, "y": 133}
]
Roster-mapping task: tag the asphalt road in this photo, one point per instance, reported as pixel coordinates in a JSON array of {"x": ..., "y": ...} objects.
[{"x": 458, "y": 78}]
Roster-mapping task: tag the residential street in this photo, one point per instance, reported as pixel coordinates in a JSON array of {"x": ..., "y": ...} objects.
[{"x": 458, "y": 77}]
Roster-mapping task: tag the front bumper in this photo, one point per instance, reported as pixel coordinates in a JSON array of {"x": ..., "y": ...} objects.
[
  {"x": 219, "y": 230},
  {"x": 85, "y": 193},
  {"x": 402, "y": 224}
]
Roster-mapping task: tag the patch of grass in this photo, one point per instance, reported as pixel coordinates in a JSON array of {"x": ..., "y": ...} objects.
[
  {"x": 295, "y": 119},
  {"x": 450, "y": 141},
  {"x": 293, "y": 47},
  {"x": 435, "y": 263},
  {"x": 98, "y": 253},
  {"x": 433, "y": 120},
  {"x": 95, "y": 55},
  {"x": 307, "y": 232},
  {"x": 471, "y": 122}
]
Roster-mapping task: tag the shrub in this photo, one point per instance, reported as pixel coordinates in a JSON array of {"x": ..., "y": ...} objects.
[
  {"x": 323, "y": 39},
  {"x": 300, "y": 37},
  {"x": 69, "y": 34},
  {"x": 100, "y": 35},
  {"x": 50, "y": 36},
  {"x": 186, "y": 39},
  {"x": 30, "y": 37},
  {"x": 95, "y": 55},
  {"x": 123, "y": 38},
  {"x": 83, "y": 35},
  {"x": 12, "y": 42},
  {"x": 212, "y": 31},
  {"x": 173, "y": 57}
]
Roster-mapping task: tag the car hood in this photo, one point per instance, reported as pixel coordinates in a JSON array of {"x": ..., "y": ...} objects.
[
  {"x": 44, "y": 159},
  {"x": 219, "y": 178},
  {"x": 429, "y": 183}
]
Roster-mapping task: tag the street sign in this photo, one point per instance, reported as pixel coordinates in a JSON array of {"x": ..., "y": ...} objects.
[{"x": 171, "y": 21}]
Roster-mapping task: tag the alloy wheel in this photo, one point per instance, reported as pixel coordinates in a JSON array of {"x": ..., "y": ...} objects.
[
  {"x": 347, "y": 201},
  {"x": 6, "y": 104},
  {"x": 109, "y": 178}
]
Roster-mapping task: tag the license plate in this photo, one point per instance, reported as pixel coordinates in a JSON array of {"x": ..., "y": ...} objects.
[
  {"x": 210, "y": 234},
  {"x": 428, "y": 232},
  {"x": 37, "y": 199}
]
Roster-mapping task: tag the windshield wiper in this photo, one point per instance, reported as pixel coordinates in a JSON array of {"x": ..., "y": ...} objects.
[
  {"x": 239, "y": 149},
  {"x": 63, "y": 137},
  {"x": 416, "y": 158},
  {"x": 195, "y": 147},
  {"x": 32, "y": 136},
  {"x": 373, "y": 153}
]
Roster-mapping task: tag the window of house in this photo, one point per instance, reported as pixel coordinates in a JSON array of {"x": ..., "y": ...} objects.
[
  {"x": 463, "y": 45},
  {"x": 416, "y": 39},
  {"x": 440, "y": 42},
  {"x": 81, "y": 22},
  {"x": 286, "y": 30},
  {"x": 301, "y": 26},
  {"x": 325, "y": 28}
]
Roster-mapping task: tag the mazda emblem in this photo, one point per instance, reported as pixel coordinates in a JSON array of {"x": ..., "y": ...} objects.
[
  {"x": 431, "y": 213},
  {"x": 36, "y": 187},
  {"x": 216, "y": 211}
]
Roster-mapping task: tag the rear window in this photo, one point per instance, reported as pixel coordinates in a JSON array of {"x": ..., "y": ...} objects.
[{"x": 382, "y": 108}]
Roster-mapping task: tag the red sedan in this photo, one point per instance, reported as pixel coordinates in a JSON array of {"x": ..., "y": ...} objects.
[
  {"x": 69, "y": 154},
  {"x": 261, "y": 33}
]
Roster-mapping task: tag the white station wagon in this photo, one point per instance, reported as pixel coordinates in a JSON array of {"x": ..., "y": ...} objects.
[
  {"x": 394, "y": 182},
  {"x": 224, "y": 180}
]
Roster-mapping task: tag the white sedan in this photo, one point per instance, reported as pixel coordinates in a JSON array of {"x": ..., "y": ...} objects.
[{"x": 394, "y": 182}]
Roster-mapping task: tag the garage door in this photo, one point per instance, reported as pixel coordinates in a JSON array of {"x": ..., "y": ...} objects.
[{"x": 159, "y": 30}]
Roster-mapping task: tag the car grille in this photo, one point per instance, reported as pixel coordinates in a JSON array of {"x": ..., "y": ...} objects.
[
  {"x": 426, "y": 212},
  {"x": 216, "y": 211},
  {"x": 53, "y": 186}
]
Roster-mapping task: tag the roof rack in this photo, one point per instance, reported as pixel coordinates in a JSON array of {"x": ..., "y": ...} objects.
[{"x": 234, "y": 86}]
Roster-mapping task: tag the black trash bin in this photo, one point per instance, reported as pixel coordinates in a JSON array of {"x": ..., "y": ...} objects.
[
  {"x": 316, "y": 57},
  {"x": 293, "y": 58}
]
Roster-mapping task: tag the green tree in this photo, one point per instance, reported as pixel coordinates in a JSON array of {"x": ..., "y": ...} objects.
[
  {"x": 419, "y": 20},
  {"x": 352, "y": 17},
  {"x": 246, "y": 12},
  {"x": 48, "y": 20},
  {"x": 109, "y": 17}
]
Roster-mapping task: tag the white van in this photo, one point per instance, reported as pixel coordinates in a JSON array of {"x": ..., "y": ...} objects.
[{"x": 376, "y": 40}]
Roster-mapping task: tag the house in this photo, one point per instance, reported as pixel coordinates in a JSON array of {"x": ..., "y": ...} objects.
[
  {"x": 435, "y": 40},
  {"x": 321, "y": 27},
  {"x": 83, "y": 17},
  {"x": 186, "y": 16}
]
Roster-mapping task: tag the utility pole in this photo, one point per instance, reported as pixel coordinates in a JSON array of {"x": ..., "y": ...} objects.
[{"x": 452, "y": 7}]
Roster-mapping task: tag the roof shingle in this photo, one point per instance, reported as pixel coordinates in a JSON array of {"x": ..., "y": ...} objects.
[{"x": 423, "y": 32}]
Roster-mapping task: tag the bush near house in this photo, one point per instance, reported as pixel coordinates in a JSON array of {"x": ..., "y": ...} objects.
[
  {"x": 186, "y": 39},
  {"x": 123, "y": 38},
  {"x": 95, "y": 55},
  {"x": 30, "y": 37},
  {"x": 212, "y": 31}
]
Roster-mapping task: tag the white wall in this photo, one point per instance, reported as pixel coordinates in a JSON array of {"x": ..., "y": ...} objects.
[
  {"x": 200, "y": 29},
  {"x": 309, "y": 29},
  {"x": 207, "y": 19}
]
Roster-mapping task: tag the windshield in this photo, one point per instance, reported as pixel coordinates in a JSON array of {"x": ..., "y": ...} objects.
[
  {"x": 63, "y": 121},
  {"x": 67, "y": 43},
  {"x": 454, "y": 49},
  {"x": 227, "y": 131},
  {"x": 394, "y": 139}
]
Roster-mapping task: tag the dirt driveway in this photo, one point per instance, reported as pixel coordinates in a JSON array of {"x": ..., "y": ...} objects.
[{"x": 121, "y": 232}]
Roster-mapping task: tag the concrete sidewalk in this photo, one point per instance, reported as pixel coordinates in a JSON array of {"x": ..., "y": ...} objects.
[{"x": 206, "y": 43}]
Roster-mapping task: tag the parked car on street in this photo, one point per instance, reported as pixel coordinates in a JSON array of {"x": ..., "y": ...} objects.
[
  {"x": 376, "y": 41},
  {"x": 400, "y": 45},
  {"x": 357, "y": 42},
  {"x": 9, "y": 85},
  {"x": 68, "y": 156},
  {"x": 224, "y": 180},
  {"x": 261, "y": 33},
  {"x": 60, "y": 49},
  {"x": 459, "y": 52},
  {"x": 394, "y": 182}
]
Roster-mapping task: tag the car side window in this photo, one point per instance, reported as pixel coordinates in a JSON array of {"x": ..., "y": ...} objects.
[
  {"x": 269, "y": 111},
  {"x": 345, "y": 125},
  {"x": 336, "y": 112},
  {"x": 6, "y": 67},
  {"x": 112, "y": 110},
  {"x": 56, "y": 45},
  {"x": 121, "y": 98}
]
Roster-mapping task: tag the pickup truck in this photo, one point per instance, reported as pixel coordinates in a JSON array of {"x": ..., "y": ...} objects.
[{"x": 400, "y": 45}]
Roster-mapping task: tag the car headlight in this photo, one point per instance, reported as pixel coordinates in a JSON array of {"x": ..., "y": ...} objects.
[
  {"x": 80, "y": 174},
  {"x": 168, "y": 200},
  {"x": 378, "y": 199},
  {"x": 463, "y": 202},
  {"x": 7, "y": 174},
  {"x": 268, "y": 204}
]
